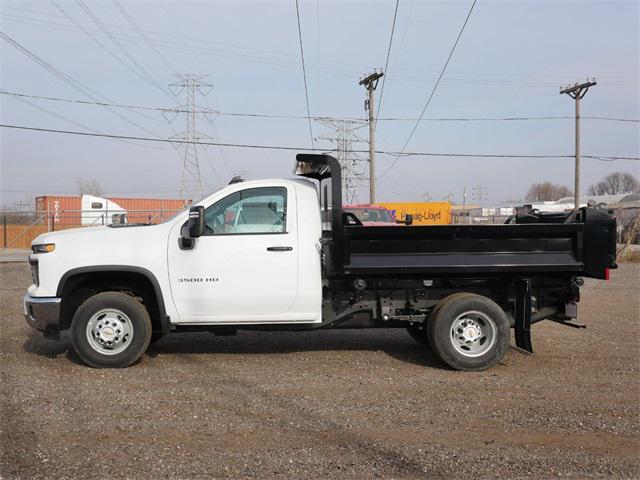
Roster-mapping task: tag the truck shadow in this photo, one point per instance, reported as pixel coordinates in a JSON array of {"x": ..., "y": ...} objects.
[
  {"x": 52, "y": 349},
  {"x": 37, "y": 344},
  {"x": 395, "y": 343}
]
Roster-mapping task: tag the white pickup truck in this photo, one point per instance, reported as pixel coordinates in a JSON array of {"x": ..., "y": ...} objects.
[{"x": 281, "y": 254}]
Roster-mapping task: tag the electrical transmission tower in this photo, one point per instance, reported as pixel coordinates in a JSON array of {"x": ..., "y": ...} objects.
[
  {"x": 191, "y": 183},
  {"x": 354, "y": 168},
  {"x": 479, "y": 194}
]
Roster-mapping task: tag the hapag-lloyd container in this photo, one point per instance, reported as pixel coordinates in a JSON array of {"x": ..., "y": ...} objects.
[{"x": 424, "y": 213}]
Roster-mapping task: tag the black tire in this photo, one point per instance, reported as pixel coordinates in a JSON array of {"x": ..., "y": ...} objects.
[
  {"x": 493, "y": 323},
  {"x": 419, "y": 334},
  {"x": 139, "y": 326}
]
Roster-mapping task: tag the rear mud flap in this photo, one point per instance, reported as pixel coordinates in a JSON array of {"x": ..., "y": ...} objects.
[{"x": 523, "y": 315}]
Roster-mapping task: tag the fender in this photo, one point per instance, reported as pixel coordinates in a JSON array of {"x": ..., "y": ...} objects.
[{"x": 165, "y": 321}]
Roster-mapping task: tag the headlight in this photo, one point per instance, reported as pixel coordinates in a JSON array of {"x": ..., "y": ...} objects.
[{"x": 44, "y": 248}]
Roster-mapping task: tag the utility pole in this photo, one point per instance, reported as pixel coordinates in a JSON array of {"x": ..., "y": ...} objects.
[
  {"x": 191, "y": 183},
  {"x": 464, "y": 204},
  {"x": 370, "y": 82},
  {"x": 577, "y": 91},
  {"x": 344, "y": 136}
]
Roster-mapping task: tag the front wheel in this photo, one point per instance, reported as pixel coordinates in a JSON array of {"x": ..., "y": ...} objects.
[
  {"x": 469, "y": 332},
  {"x": 110, "y": 330}
]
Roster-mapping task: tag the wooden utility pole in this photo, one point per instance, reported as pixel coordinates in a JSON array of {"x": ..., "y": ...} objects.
[
  {"x": 576, "y": 92},
  {"x": 370, "y": 82}
]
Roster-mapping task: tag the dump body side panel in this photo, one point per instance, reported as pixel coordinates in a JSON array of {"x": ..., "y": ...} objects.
[{"x": 463, "y": 249}]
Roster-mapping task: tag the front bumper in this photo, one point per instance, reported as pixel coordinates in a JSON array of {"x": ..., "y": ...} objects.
[{"x": 43, "y": 313}]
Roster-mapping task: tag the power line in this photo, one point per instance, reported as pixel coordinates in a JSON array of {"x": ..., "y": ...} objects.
[
  {"x": 304, "y": 72},
  {"x": 74, "y": 84},
  {"x": 435, "y": 87},
  {"x": 65, "y": 119},
  {"x": 292, "y": 148},
  {"x": 223, "y": 155},
  {"x": 321, "y": 117},
  {"x": 358, "y": 68},
  {"x": 145, "y": 75},
  {"x": 609, "y": 119},
  {"x": 386, "y": 64},
  {"x": 97, "y": 42},
  {"x": 142, "y": 35},
  {"x": 404, "y": 34},
  {"x": 353, "y": 73}
]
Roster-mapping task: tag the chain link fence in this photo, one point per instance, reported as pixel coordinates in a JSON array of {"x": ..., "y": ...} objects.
[{"x": 19, "y": 228}]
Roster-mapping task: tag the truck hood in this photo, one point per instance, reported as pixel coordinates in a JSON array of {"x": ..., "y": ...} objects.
[
  {"x": 101, "y": 245},
  {"x": 142, "y": 247},
  {"x": 74, "y": 234},
  {"x": 61, "y": 235}
]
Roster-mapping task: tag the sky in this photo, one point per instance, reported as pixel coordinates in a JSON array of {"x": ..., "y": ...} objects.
[{"x": 510, "y": 61}]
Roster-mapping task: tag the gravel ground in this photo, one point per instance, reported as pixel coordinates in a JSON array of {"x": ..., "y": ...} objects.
[{"x": 350, "y": 404}]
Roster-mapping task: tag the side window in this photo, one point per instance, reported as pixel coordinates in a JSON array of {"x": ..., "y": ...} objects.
[{"x": 250, "y": 211}]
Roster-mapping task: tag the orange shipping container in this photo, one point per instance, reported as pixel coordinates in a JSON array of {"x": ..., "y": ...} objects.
[
  {"x": 149, "y": 209},
  {"x": 58, "y": 210},
  {"x": 63, "y": 210},
  {"x": 424, "y": 213}
]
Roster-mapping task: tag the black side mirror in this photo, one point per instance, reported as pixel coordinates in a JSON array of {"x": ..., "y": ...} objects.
[
  {"x": 408, "y": 220},
  {"x": 195, "y": 225},
  {"x": 194, "y": 228}
]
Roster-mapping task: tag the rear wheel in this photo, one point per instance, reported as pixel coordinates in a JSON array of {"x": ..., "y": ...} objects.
[
  {"x": 110, "y": 330},
  {"x": 469, "y": 332}
]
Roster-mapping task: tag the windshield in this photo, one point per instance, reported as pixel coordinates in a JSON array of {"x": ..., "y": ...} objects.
[
  {"x": 371, "y": 214},
  {"x": 187, "y": 207}
]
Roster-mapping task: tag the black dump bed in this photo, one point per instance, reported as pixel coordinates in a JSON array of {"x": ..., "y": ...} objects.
[
  {"x": 580, "y": 243},
  {"x": 584, "y": 245}
]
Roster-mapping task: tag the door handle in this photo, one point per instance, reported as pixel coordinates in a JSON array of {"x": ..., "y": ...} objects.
[{"x": 279, "y": 249}]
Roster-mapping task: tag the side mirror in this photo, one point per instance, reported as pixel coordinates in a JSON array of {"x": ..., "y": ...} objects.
[
  {"x": 408, "y": 220},
  {"x": 195, "y": 225},
  {"x": 194, "y": 228},
  {"x": 119, "y": 218}
]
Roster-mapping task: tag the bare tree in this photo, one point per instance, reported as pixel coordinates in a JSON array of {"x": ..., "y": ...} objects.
[
  {"x": 615, "y": 183},
  {"x": 547, "y": 191},
  {"x": 89, "y": 187}
]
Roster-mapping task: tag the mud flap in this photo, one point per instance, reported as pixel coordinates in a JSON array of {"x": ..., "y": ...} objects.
[{"x": 523, "y": 315}]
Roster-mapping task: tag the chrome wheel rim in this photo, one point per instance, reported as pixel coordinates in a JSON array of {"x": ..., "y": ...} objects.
[
  {"x": 109, "y": 331},
  {"x": 473, "y": 334}
]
